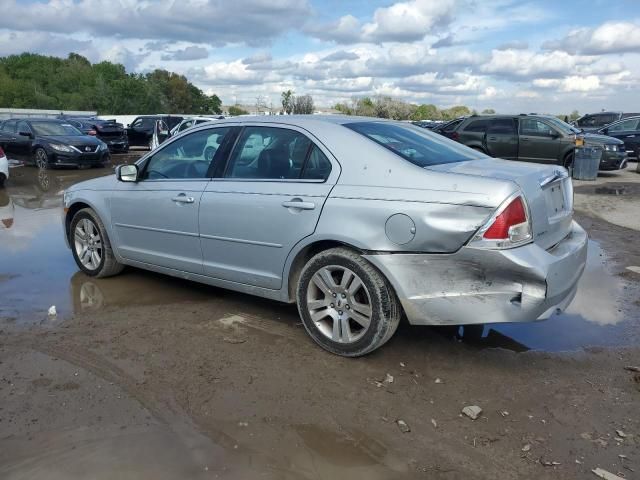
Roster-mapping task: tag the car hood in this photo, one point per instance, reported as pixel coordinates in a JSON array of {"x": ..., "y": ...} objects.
[
  {"x": 595, "y": 139},
  {"x": 107, "y": 182},
  {"x": 72, "y": 139}
]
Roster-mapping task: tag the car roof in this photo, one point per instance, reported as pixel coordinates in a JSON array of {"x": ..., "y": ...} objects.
[{"x": 35, "y": 119}]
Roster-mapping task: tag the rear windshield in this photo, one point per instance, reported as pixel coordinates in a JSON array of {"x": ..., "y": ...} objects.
[
  {"x": 46, "y": 129},
  {"x": 421, "y": 147}
]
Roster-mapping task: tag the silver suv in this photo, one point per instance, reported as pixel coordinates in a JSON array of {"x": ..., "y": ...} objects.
[{"x": 358, "y": 221}]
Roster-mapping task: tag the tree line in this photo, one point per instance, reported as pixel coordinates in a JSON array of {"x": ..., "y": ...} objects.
[
  {"x": 74, "y": 83},
  {"x": 388, "y": 107}
]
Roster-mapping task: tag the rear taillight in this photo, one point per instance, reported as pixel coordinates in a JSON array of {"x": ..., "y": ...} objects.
[
  {"x": 92, "y": 132},
  {"x": 509, "y": 227},
  {"x": 454, "y": 135},
  {"x": 1, "y": 152}
]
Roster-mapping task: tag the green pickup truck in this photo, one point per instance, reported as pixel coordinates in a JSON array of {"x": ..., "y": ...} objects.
[{"x": 535, "y": 138}]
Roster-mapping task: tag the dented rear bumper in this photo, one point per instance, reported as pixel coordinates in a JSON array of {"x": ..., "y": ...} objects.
[{"x": 476, "y": 286}]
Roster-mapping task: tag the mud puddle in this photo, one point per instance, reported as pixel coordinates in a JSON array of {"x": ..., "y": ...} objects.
[{"x": 598, "y": 316}]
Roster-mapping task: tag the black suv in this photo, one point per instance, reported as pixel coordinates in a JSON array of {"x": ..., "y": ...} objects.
[
  {"x": 535, "y": 138},
  {"x": 141, "y": 129},
  {"x": 48, "y": 142},
  {"x": 627, "y": 130},
  {"x": 595, "y": 121},
  {"x": 109, "y": 131}
]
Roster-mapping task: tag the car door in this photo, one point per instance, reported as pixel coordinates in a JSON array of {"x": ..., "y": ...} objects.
[
  {"x": 267, "y": 200},
  {"x": 24, "y": 141},
  {"x": 10, "y": 139},
  {"x": 140, "y": 131},
  {"x": 626, "y": 130},
  {"x": 502, "y": 138},
  {"x": 155, "y": 220},
  {"x": 538, "y": 141}
]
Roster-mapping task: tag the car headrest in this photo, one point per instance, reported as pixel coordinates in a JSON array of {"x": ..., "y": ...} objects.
[{"x": 274, "y": 162}]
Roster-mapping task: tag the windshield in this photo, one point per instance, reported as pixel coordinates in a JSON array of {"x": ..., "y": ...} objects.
[
  {"x": 564, "y": 126},
  {"x": 52, "y": 129},
  {"x": 419, "y": 146}
]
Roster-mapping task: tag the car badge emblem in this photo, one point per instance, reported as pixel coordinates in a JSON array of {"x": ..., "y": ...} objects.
[{"x": 87, "y": 149}]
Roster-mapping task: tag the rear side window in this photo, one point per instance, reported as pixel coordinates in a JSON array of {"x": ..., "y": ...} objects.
[
  {"x": 477, "y": 126},
  {"x": 267, "y": 153},
  {"x": 502, "y": 126},
  {"x": 451, "y": 126},
  {"x": 420, "y": 147}
]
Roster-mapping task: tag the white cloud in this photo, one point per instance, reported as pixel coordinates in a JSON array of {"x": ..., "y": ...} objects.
[
  {"x": 401, "y": 22},
  {"x": 610, "y": 37},
  {"x": 572, "y": 83},
  {"x": 525, "y": 63}
]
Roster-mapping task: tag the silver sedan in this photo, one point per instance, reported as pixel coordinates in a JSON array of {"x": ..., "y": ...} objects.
[{"x": 359, "y": 221}]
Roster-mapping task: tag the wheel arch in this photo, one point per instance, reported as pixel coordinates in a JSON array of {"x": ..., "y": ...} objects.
[{"x": 299, "y": 257}]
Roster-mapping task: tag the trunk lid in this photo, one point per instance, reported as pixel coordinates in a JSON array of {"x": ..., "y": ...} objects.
[{"x": 547, "y": 190}]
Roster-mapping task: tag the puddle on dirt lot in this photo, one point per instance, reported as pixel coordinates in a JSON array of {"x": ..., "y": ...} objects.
[
  {"x": 38, "y": 271},
  {"x": 595, "y": 318},
  {"x": 611, "y": 188}
]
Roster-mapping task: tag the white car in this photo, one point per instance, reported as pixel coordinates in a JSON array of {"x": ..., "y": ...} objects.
[
  {"x": 4, "y": 168},
  {"x": 192, "y": 122}
]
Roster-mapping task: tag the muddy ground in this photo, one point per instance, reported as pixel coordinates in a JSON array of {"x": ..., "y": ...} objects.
[{"x": 144, "y": 376}]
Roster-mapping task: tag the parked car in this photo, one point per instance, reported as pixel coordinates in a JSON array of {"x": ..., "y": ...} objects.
[
  {"x": 535, "y": 138},
  {"x": 355, "y": 220},
  {"x": 627, "y": 130},
  {"x": 140, "y": 131},
  {"x": 428, "y": 124},
  {"x": 595, "y": 121},
  {"x": 449, "y": 127},
  {"x": 192, "y": 122},
  {"x": 51, "y": 143},
  {"x": 109, "y": 131},
  {"x": 4, "y": 167}
]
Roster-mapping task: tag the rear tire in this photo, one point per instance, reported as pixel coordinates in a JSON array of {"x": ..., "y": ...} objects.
[
  {"x": 567, "y": 161},
  {"x": 2, "y": 180},
  {"x": 346, "y": 305},
  {"x": 91, "y": 246}
]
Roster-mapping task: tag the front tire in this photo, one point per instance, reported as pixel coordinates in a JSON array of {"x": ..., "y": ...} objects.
[
  {"x": 41, "y": 158},
  {"x": 346, "y": 305},
  {"x": 91, "y": 246}
]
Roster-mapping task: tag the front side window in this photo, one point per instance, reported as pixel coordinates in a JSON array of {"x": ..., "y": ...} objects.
[
  {"x": 535, "y": 128},
  {"x": 587, "y": 121},
  {"x": 144, "y": 123},
  {"x": 420, "y": 147},
  {"x": 269, "y": 153},
  {"x": 626, "y": 125},
  {"x": 188, "y": 157}
]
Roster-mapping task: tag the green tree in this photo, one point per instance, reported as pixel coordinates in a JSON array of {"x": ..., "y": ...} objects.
[
  {"x": 287, "y": 102},
  {"x": 426, "y": 112},
  {"x": 488, "y": 111},
  {"x": 236, "y": 110}
]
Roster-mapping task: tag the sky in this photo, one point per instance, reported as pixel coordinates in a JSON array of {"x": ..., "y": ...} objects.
[{"x": 512, "y": 56}]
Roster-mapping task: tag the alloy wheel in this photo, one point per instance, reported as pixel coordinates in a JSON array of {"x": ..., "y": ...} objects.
[
  {"x": 88, "y": 244},
  {"x": 339, "y": 304},
  {"x": 41, "y": 159}
]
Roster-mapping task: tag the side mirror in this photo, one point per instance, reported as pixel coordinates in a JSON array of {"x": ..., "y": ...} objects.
[
  {"x": 25, "y": 134},
  {"x": 127, "y": 173}
]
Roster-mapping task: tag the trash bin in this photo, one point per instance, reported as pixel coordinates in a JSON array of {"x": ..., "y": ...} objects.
[{"x": 586, "y": 163}]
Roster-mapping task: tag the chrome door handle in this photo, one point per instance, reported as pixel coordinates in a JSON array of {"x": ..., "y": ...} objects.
[
  {"x": 182, "y": 198},
  {"x": 299, "y": 204},
  {"x": 630, "y": 136}
]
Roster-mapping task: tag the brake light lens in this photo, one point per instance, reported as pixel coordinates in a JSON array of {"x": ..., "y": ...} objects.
[
  {"x": 509, "y": 227},
  {"x": 1, "y": 152},
  {"x": 511, "y": 216},
  {"x": 454, "y": 135}
]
